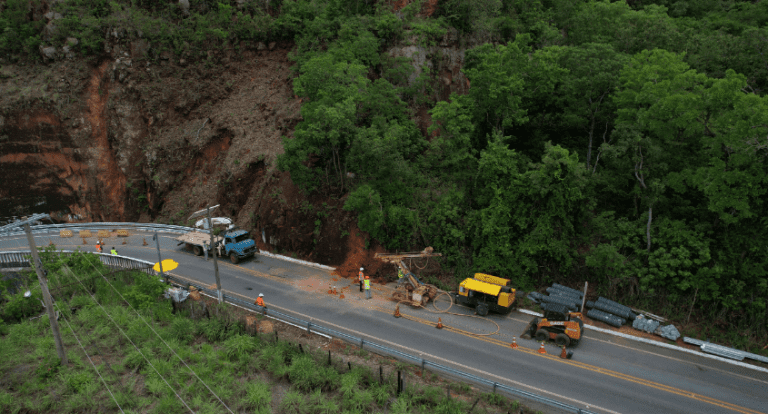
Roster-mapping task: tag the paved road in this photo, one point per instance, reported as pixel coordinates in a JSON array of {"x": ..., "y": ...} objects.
[{"x": 607, "y": 374}]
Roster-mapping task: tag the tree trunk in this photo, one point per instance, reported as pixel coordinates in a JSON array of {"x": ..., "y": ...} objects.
[
  {"x": 648, "y": 227},
  {"x": 589, "y": 147}
]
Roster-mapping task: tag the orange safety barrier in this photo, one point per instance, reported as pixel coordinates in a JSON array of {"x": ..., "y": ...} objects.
[
  {"x": 85, "y": 233},
  {"x": 65, "y": 233},
  {"x": 103, "y": 233},
  {"x": 122, "y": 233}
]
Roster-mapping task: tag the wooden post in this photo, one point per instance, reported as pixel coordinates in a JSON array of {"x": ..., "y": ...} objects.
[{"x": 38, "y": 265}]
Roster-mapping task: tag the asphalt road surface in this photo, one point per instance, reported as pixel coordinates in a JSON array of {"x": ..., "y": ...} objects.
[{"x": 607, "y": 374}]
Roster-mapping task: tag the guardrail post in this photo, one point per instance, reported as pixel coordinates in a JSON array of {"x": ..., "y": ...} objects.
[
  {"x": 422, "y": 367},
  {"x": 362, "y": 341},
  {"x": 309, "y": 325},
  {"x": 494, "y": 387}
]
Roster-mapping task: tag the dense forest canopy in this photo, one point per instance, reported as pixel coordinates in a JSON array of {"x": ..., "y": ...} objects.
[{"x": 623, "y": 142}]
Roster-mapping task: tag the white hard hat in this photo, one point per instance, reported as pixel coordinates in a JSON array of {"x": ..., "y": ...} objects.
[
  {"x": 261, "y": 294},
  {"x": 361, "y": 268}
]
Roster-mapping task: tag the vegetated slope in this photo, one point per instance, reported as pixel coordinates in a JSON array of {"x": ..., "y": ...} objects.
[
  {"x": 146, "y": 355},
  {"x": 618, "y": 143}
]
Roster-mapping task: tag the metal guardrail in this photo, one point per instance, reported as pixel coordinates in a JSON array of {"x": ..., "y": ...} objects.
[
  {"x": 19, "y": 257},
  {"x": 55, "y": 228},
  {"x": 148, "y": 227}
]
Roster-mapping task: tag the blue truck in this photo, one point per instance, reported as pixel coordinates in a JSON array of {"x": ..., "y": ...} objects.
[{"x": 235, "y": 244}]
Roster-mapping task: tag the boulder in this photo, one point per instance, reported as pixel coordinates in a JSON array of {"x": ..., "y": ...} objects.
[
  {"x": 48, "y": 52},
  {"x": 184, "y": 6}
]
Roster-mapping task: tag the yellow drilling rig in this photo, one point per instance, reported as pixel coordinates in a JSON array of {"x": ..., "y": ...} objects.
[{"x": 410, "y": 291}]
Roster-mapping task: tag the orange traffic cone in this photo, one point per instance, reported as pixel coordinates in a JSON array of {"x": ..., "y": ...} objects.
[
  {"x": 397, "y": 312},
  {"x": 84, "y": 242},
  {"x": 564, "y": 353},
  {"x": 330, "y": 291},
  {"x": 439, "y": 323},
  {"x": 145, "y": 242},
  {"x": 541, "y": 349},
  {"x": 513, "y": 345},
  {"x": 341, "y": 296},
  {"x": 334, "y": 290}
]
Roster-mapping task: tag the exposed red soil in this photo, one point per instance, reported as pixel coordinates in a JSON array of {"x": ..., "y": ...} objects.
[
  {"x": 112, "y": 180},
  {"x": 358, "y": 256}
]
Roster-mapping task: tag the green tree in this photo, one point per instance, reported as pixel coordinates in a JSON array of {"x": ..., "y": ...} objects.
[{"x": 527, "y": 222}]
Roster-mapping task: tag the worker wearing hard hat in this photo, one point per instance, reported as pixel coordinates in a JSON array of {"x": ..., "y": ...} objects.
[
  {"x": 360, "y": 277},
  {"x": 260, "y": 302},
  {"x": 114, "y": 251},
  {"x": 367, "y": 288}
]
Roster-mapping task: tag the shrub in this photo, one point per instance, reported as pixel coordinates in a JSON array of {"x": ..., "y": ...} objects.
[
  {"x": 17, "y": 307},
  {"x": 239, "y": 347},
  {"x": 258, "y": 395},
  {"x": 319, "y": 404},
  {"x": 75, "y": 381},
  {"x": 293, "y": 402},
  {"x": 182, "y": 329},
  {"x": 134, "y": 360},
  {"x": 304, "y": 373},
  {"x": 213, "y": 329},
  {"x": 8, "y": 403}
]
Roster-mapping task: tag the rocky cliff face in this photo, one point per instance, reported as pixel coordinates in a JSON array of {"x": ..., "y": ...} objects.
[
  {"x": 138, "y": 136},
  {"x": 124, "y": 136}
]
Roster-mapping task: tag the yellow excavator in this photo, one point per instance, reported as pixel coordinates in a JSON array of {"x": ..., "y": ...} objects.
[{"x": 411, "y": 291}]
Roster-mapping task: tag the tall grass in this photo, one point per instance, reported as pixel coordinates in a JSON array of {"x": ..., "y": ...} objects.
[{"x": 215, "y": 349}]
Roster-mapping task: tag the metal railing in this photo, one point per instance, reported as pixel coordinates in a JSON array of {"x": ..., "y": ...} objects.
[
  {"x": 149, "y": 227},
  {"x": 146, "y": 267},
  {"x": 146, "y": 227},
  {"x": 20, "y": 258}
]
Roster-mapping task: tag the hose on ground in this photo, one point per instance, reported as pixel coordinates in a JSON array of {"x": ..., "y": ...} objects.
[{"x": 445, "y": 311}]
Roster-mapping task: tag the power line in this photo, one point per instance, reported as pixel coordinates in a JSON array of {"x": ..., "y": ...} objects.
[
  {"x": 129, "y": 339},
  {"x": 163, "y": 340},
  {"x": 90, "y": 360}
]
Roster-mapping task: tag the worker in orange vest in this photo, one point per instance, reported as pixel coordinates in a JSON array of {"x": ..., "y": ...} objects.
[
  {"x": 99, "y": 248},
  {"x": 360, "y": 277},
  {"x": 260, "y": 302},
  {"x": 367, "y": 288}
]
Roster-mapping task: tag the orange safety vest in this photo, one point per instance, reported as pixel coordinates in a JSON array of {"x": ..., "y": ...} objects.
[
  {"x": 98, "y": 247},
  {"x": 360, "y": 276},
  {"x": 367, "y": 284},
  {"x": 260, "y": 302}
]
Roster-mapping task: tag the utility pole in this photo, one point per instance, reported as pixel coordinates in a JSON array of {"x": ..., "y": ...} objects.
[
  {"x": 38, "y": 265},
  {"x": 159, "y": 259},
  {"x": 207, "y": 212},
  {"x": 215, "y": 262}
]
